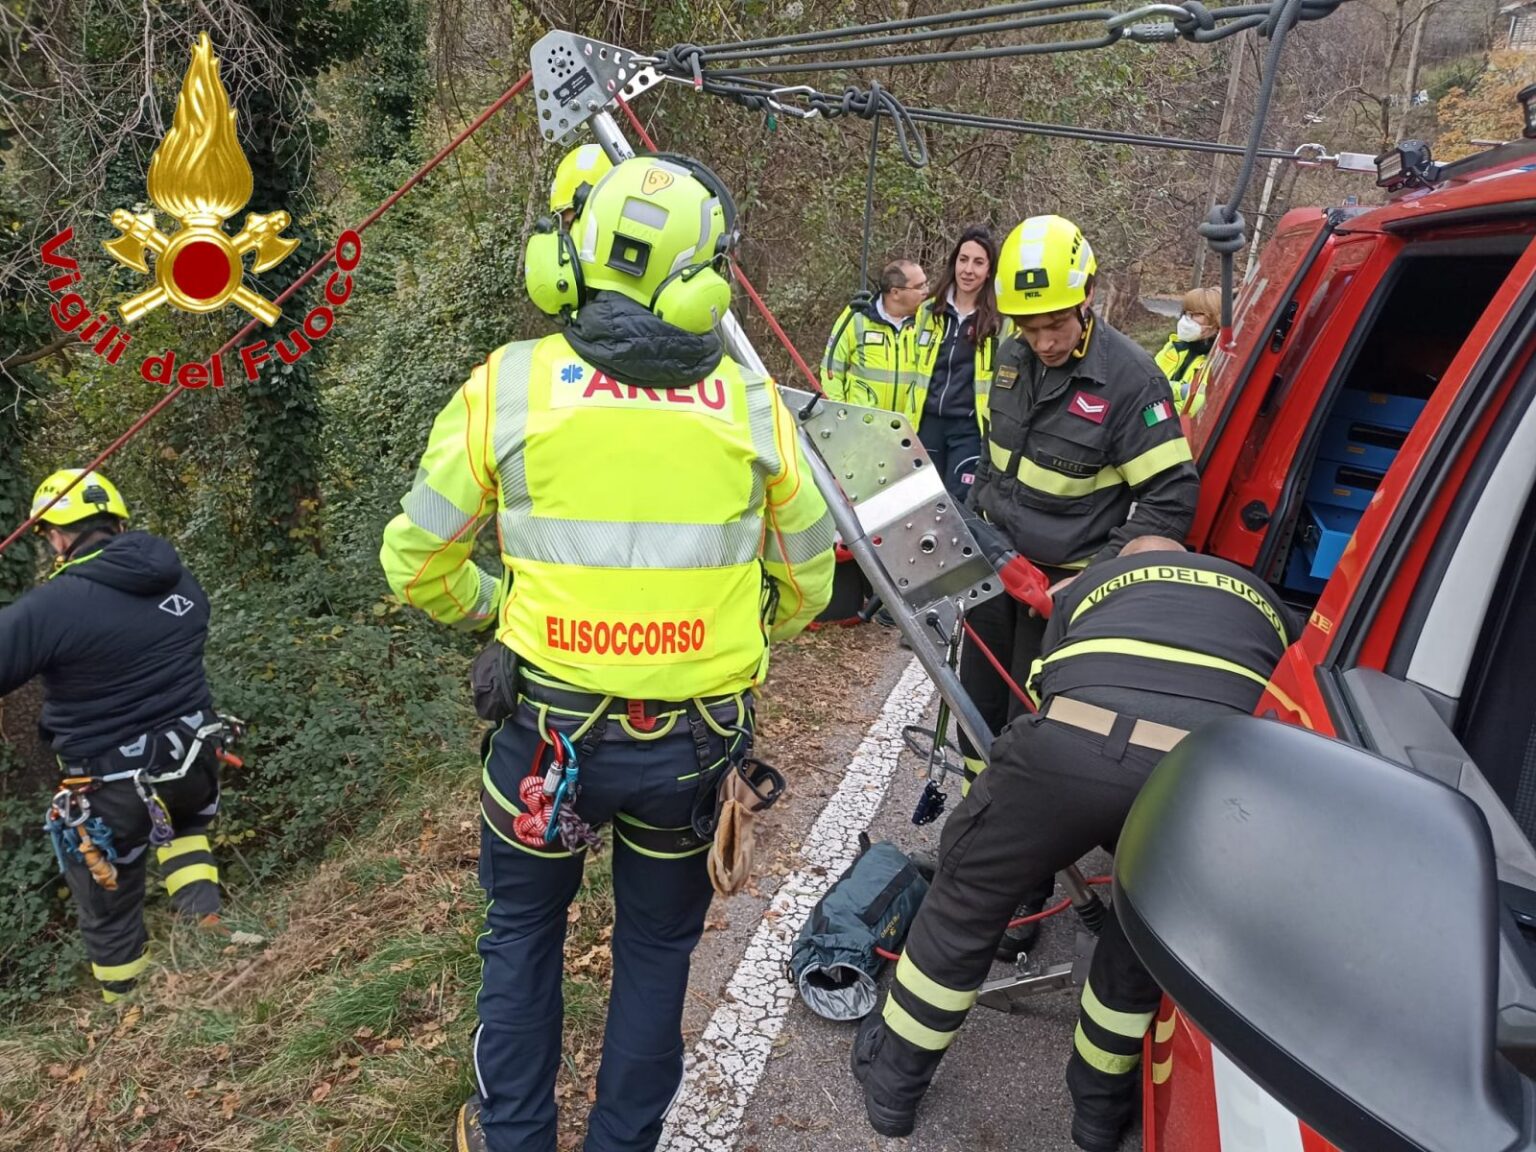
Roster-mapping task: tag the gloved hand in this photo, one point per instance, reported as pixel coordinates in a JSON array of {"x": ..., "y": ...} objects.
[
  {"x": 1027, "y": 584},
  {"x": 1021, "y": 579}
]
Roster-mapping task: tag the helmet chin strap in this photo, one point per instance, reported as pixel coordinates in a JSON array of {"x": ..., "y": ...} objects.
[{"x": 1085, "y": 318}]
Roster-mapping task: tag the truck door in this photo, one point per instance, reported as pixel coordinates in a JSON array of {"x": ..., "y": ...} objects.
[{"x": 1264, "y": 315}]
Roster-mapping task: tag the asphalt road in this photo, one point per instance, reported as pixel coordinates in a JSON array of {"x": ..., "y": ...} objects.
[{"x": 1001, "y": 1084}]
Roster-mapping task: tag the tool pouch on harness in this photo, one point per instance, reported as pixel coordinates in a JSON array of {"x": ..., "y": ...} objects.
[
  {"x": 833, "y": 962},
  {"x": 747, "y": 788},
  {"x": 493, "y": 682}
]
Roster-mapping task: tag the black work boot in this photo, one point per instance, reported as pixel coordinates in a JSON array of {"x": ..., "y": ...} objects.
[
  {"x": 884, "y": 1118},
  {"x": 1096, "y": 1135},
  {"x": 1019, "y": 940},
  {"x": 467, "y": 1134}
]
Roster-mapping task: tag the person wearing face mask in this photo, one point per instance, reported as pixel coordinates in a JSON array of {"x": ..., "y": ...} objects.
[
  {"x": 1183, "y": 357},
  {"x": 956, "y": 332},
  {"x": 1084, "y": 453}
]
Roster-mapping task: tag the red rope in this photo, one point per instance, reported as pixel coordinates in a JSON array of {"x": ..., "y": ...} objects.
[
  {"x": 773, "y": 326},
  {"x": 1053, "y": 910},
  {"x": 645, "y": 137},
  {"x": 763, "y": 310},
  {"x": 170, "y": 397},
  {"x": 981, "y": 647}
]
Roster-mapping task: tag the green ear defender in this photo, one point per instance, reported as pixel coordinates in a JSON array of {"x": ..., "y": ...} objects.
[
  {"x": 697, "y": 296},
  {"x": 551, "y": 269}
]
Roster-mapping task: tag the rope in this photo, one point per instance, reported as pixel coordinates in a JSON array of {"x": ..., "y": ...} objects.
[
  {"x": 981, "y": 646},
  {"x": 304, "y": 277},
  {"x": 869, "y": 203},
  {"x": 760, "y": 96},
  {"x": 1190, "y": 20},
  {"x": 1224, "y": 227},
  {"x": 941, "y": 116},
  {"x": 1018, "y": 922}
]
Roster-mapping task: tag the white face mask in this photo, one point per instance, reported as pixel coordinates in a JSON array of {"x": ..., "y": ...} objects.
[{"x": 1188, "y": 329}]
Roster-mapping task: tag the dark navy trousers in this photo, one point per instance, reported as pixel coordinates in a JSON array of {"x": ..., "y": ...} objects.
[{"x": 660, "y": 897}]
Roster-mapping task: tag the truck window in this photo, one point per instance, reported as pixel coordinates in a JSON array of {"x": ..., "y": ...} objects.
[
  {"x": 1428, "y": 306},
  {"x": 1496, "y": 721},
  {"x": 1470, "y": 645}
]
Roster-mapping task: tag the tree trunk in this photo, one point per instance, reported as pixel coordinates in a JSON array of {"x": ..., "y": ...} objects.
[{"x": 1411, "y": 81}]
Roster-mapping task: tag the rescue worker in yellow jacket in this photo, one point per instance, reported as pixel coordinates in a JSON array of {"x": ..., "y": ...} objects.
[
  {"x": 1183, "y": 358},
  {"x": 869, "y": 358},
  {"x": 658, "y": 527},
  {"x": 955, "y": 335},
  {"x": 1084, "y": 453}
]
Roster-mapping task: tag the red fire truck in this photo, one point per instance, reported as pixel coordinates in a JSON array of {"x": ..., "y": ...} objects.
[{"x": 1354, "y": 920}]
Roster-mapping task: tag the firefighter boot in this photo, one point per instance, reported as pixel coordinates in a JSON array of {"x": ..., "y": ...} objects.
[
  {"x": 894, "y": 1075},
  {"x": 1092, "y": 1137},
  {"x": 467, "y": 1134}
]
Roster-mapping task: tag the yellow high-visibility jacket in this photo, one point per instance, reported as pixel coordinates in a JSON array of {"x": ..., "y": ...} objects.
[
  {"x": 653, "y": 540},
  {"x": 869, "y": 362},
  {"x": 1184, "y": 365}
]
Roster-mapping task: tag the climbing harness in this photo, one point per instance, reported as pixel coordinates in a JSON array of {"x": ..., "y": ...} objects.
[{"x": 87, "y": 839}]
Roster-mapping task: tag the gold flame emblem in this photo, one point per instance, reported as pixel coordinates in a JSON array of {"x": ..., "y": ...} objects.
[{"x": 199, "y": 176}]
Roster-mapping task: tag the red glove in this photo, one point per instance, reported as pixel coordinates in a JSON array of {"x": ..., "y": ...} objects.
[{"x": 1026, "y": 583}]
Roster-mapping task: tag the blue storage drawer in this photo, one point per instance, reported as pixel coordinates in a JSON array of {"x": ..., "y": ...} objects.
[
  {"x": 1361, "y": 443},
  {"x": 1325, "y": 530},
  {"x": 1342, "y": 484},
  {"x": 1380, "y": 408},
  {"x": 1298, "y": 577}
]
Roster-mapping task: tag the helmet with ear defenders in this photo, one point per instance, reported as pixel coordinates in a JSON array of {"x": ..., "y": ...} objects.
[
  {"x": 696, "y": 296},
  {"x": 552, "y": 269},
  {"x": 659, "y": 229}
]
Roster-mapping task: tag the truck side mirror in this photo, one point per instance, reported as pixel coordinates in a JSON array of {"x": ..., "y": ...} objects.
[{"x": 1330, "y": 920}]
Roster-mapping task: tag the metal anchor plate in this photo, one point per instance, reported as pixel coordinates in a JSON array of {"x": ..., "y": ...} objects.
[
  {"x": 901, "y": 502},
  {"x": 575, "y": 78}
]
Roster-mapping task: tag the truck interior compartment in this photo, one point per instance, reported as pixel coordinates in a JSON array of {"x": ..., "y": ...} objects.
[{"x": 1433, "y": 304}]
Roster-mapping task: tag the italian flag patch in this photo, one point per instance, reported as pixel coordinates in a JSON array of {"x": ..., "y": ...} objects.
[{"x": 1154, "y": 414}]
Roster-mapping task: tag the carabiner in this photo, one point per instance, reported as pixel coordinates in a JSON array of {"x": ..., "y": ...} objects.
[{"x": 789, "y": 109}]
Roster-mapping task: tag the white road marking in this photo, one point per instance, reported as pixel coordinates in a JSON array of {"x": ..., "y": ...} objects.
[{"x": 728, "y": 1061}]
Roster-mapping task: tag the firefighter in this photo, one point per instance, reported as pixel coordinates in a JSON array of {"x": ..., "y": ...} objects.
[
  {"x": 1143, "y": 648},
  {"x": 117, "y": 634},
  {"x": 955, "y": 333},
  {"x": 870, "y": 359},
  {"x": 1084, "y": 453},
  {"x": 1183, "y": 358},
  {"x": 658, "y": 526}
]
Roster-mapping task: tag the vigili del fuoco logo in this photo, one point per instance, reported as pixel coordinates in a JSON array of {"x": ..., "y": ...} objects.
[{"x": 200, "y": 178}]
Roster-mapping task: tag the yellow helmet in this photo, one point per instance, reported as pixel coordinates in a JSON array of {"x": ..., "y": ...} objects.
[
  {"x": 585, "y": 165},
  {"x": 93, "y": 495},
  {"x": 658, "y": 229},
  {"x": 1044, "y": 266}
]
